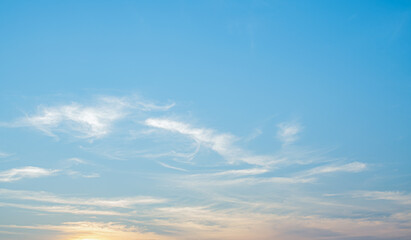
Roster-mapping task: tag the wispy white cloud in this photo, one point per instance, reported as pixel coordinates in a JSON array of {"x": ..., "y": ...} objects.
[
  {"x": 288, "y": 132},
  {"x": 25, "y": 172},
  {"x": 64, "y": 209},
  {"x": 399, "y": 197},
  {"x": 172, "y": 167},
  {"x": 77, "y": 161},
  {"x": 350, "y": 167},
  {"x": 210, "y": 182},
  {"x": 78, "y": 167},
  {"x": 179, "y": 155},
  {"x": 288, "y": 180},
  {"x": 88, "y": 121},
  {"x": 83, "y": 175},
  {"x": 5, "y": 155},
  {"x": 222, "y": 143},
  {"x": 236, "y": 177},
  {"x": 256, "y": 132},
  {"x": 225, "y": 145},
  {"x": 242, "y": 172},
  {"x": 126, "y": 202},
  {"x": 147, "y": 106}
]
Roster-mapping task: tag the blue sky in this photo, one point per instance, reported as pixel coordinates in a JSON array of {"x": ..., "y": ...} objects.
[{"x": 205, "y": 120}]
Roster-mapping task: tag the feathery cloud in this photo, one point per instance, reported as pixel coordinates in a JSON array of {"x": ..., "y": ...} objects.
[
  {"x": 288, "y": 132},
  {"x": 349, "y": 167},
  {"x": 64, "y": 209},
  {"x": 87, "y": 121},
  {"x": 126, "y": 202},
  {"x": 399, "y": 197},
  {"x": 221, "y": 143},
  {"x": 172, "y": 167},
  {"x": 4, "y": 155},
  {"x": 242, "y": 172},
  {"x": 25, "y": 172}
]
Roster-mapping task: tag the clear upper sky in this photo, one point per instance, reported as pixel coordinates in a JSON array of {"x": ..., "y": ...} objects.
[{"x": 172, "y": 120}]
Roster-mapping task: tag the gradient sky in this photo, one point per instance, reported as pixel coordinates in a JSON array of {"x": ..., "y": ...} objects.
[{"x": 169, "y": 120}]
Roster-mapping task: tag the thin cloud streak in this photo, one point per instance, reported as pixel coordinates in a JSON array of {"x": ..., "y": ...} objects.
[
  {"x": 171, "y": 167},
  {"x": 221, "y": 143},
  {"x": 63, "y": 209},
  {"x": 5, "y": 155},
  {"x": 77, "y": 161},
  {"x": 242, "y": 172},
  {"x": 16, "y": 174},
  {"x": 353, "y": 167},
  {"x": 127, "y": 202},
  {"x": 399, "y": 197}
]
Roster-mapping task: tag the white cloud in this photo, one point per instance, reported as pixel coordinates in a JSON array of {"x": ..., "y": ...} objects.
[
  {"x": 303, "y": 177},
  {"x": 4, "y": 155},
  {"x": 146, "y": 106},
  {"x": 127, "y": 202},
  {"x": 221, "y": 143},
  {"x": 77, "y": 161},
  {"x": 25, "y": 172},
  {"x": 291, "y": 180},
  {"x": 172, "y": 167},
  {"x": 255, "y": 133},
  {"x": 275, "y": 180},
  {"x": 64, "y": 209},
  {"x": 94, "y": 121},
  {"x": 83, "y": 175},
  {"x": 209, "y": 182},
  {"x": 399, "y": 197},
  {"x": 350, "y": 167},
  {"x": 288, "y": 132},
  {"x": 91, "y": 122},
  {"x": 242, "y": 172}
]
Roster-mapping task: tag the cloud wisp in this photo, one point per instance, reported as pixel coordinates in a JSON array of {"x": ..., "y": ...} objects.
[
  {"x": 66, "y": 209},
  {"x": 5, "y": 155},
  {"x": 87, "y": 121},
  {"x": 172, "y": 167},
  {"x": 398, "y": 197},
  {"x": 16, "y": 174},
  {"x": 221, "y": 143},
  {"x": 126, "y": 202},
  {"x": 288, "y": 132},
  {"x": 77, "y": 206},
  {"x": 225, "y": 146},
  {"x": 353, "y": 167}
]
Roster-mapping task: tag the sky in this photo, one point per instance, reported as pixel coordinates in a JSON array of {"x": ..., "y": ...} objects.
[{"x": 183, "y": 120}]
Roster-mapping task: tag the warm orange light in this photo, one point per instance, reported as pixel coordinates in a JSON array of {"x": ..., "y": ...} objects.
[{"x": 87, "y": 239}]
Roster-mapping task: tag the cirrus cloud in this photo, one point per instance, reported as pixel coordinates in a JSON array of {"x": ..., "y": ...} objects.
[{"x": 16, "y": 174}]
